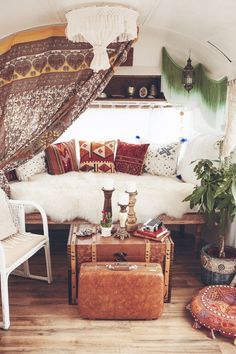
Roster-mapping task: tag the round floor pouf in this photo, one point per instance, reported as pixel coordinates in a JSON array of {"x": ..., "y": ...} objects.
[{"x": 214, "y": 307}]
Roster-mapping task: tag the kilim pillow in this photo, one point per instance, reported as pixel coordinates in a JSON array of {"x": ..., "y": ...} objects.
[
  {"x": 130, "y": 157},
  {"x": 97, "y": 156},
  {"x": 61, "y": 158},
  {"x": 161, "y": 160}
]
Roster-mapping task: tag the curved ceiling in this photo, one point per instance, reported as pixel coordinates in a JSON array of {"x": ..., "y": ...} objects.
[{"x": 179, "y": 25}]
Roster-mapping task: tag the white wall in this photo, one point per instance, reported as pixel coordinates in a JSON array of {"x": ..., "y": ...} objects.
[{"x": 147, "y": 55}]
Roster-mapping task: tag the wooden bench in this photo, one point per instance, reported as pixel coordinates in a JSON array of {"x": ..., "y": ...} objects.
[{"x": 187, "y": 219}]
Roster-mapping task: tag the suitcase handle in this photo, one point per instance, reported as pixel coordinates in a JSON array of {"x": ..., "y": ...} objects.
[{"x": 121, "y": 267}]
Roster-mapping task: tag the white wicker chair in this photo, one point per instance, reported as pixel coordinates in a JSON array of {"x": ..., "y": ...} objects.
[{"x": 16, "y": 249}]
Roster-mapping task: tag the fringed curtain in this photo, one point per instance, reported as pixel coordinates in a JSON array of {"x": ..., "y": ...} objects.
[
  {"x": 207, "y": 94},
  {"x": 45, "y": 84}
]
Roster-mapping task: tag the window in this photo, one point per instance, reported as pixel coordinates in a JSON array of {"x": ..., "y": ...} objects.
[{"x": 158, "y": 125}]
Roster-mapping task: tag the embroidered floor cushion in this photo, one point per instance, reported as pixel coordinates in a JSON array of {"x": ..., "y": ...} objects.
[
  {"x": 97, "y": 156},
  {"x": 130, "y": 157},
  {"x": 214, "y": 307}
]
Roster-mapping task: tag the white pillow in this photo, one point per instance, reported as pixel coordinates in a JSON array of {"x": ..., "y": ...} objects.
[
  {"x": 32, "y": 167},
  {"x": 203, "y": 146},
  {"x": 161, "y": 160},
  {"x": 7, "y": 226}
]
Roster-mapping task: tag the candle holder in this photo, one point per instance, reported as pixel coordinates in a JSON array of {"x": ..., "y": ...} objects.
[
  {"x": 131, "y": 222},
  {"x": 107, "y": 200},
  {"x": 121, "y": 231}
]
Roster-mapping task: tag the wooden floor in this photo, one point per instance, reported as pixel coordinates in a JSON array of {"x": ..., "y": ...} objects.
[{"x": 43, "y": 322}]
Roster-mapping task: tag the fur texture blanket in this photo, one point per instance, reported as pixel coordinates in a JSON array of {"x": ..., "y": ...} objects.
[{"x": 79, "y": 195}]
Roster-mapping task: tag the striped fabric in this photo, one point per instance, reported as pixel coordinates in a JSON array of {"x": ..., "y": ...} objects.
[{"x": 61, "y": 158}]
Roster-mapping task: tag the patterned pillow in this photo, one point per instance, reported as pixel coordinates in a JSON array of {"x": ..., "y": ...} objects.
[
  {"x": 97, "y": 156},
  {"x": 162, "y": 160},
  {"x": 130, "y": 157},
  {"x": 61, "y": 158},
  {"x": 32, "y": 167}
]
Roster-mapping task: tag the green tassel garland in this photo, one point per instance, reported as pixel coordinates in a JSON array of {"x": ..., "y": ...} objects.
[{"x": 213, "y": 92}]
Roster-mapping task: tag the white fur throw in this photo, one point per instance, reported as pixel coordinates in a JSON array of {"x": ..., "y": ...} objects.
[{"x": 79, "y": 195}]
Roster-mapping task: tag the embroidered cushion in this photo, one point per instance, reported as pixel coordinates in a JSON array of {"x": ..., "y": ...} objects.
[
  {"x": 97, "y": 156},
  {"x": 7, "y": 226},
  {"x": 61, "y": 158},
  {"x": 32, "y": 167},
  {"x": 215, "y": 308},
  {"x": 162, "y": 160},
  {"x": 130, "y": 157}
]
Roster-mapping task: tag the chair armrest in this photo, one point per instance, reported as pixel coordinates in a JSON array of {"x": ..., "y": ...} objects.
[{"x": 18, "y": 209}]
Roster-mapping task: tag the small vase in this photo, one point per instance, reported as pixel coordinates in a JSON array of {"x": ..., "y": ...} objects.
[{"x": 106, "y": 231}]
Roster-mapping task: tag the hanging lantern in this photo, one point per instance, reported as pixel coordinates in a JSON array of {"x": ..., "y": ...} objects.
[
  {"x": 101, "y": 25},
  {"x": 188, "y": 75}
]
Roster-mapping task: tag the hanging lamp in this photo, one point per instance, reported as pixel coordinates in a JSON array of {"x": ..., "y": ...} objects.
[
  {"x": 101, "y": 25},
  {"x": 188, "y": 75}
]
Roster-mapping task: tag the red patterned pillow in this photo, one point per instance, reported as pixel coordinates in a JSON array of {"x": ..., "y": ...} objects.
[
  {"x": 61, "y": 158},
  {"x": 97, "y": 156},
  {"x": 130, "y": 157}
]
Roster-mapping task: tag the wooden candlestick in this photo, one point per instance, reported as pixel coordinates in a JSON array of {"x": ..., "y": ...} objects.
[
  {"x": 107, "y": 200},
  {"x": 131, "y": 222},
  {"x": 121, "y": 231}
]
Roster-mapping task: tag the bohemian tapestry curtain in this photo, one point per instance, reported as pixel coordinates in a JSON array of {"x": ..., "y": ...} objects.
[{"x": 45, "y": 84}]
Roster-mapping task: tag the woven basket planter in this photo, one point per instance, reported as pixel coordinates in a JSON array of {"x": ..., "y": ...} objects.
[{"x": 216, "y": 270}]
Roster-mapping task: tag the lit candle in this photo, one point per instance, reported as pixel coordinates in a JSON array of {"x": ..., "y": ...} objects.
[
  {"x": 131, "y": 187},
  {"x": 123, "y": 199},
  {"x": 108, "y": 184}
]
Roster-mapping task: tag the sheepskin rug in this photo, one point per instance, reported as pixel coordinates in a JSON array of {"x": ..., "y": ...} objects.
[{"x": 79, "y": 195}]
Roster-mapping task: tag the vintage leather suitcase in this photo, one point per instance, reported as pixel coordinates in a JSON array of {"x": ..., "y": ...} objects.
[
  {"x": 102, "y": 249},
  {"x": 120, "y": 291}
]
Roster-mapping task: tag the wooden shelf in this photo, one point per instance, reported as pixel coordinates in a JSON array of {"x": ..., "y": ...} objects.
[
  {"x": 126, "y": 99},
  {"x": 119, "y": 84}
]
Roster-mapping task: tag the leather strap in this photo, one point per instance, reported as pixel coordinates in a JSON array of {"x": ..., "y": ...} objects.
[
  {"x": 167, "y": 268},
  {"x": 73, "y": 231},
  {"x": 147, "y": 251},
  {"x": 94, "y": 249}
]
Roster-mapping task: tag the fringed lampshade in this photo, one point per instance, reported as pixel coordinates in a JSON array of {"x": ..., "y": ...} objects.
[{"x": 101, "y": 25}]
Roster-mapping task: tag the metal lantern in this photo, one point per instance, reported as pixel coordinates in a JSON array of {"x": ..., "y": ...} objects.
[{"x": 188, "y": 75}]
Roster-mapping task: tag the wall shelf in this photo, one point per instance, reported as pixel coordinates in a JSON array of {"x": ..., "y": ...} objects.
[
  {"x": 117, "y": 93},
  {"x": 130, "y": 103},
  {"x": 119, "y": 84}
]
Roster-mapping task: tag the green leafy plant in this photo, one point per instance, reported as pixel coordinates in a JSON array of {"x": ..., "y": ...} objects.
[
  {"x": 216, "y": 195},
  {"x": 106, "y": 219}
]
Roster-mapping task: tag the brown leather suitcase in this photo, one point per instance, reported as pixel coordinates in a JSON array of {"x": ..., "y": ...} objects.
[
  {"x": 102, "y": 249},
  {"x": 122, "y": 291}
]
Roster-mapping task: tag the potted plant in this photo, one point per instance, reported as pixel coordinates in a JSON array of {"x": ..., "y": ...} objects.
[
  {"x": 215, "y": 197},
  {"x": 106, "y": 223}
]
